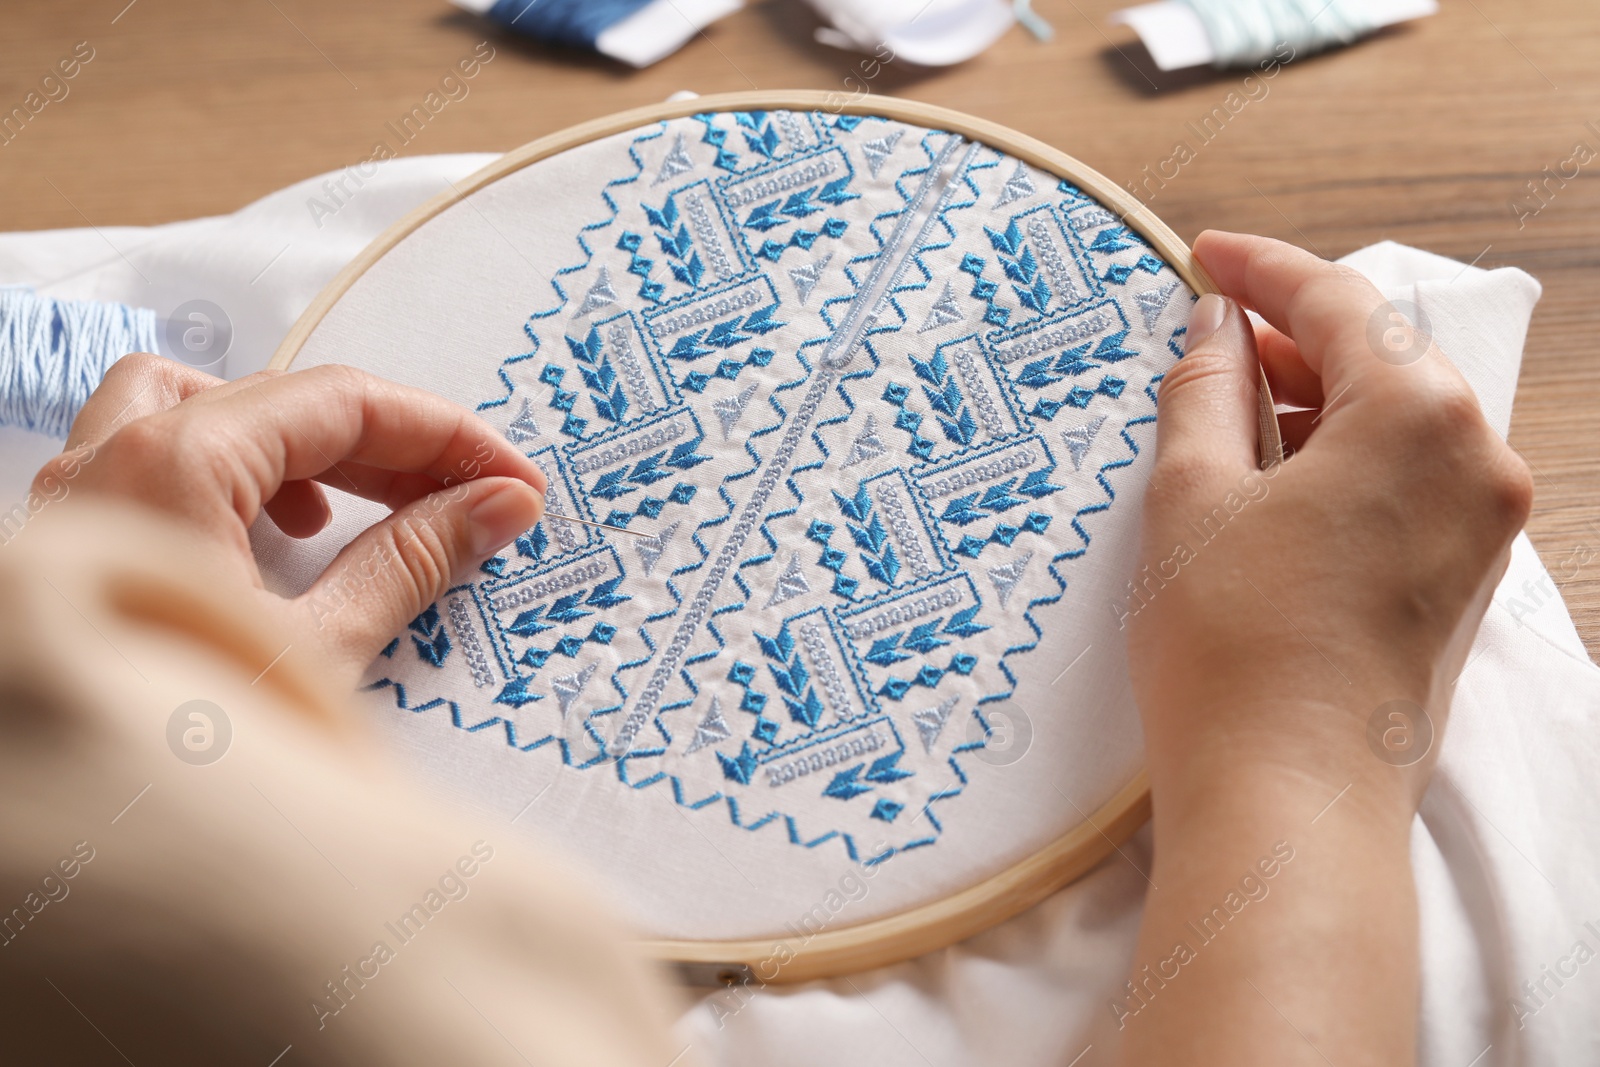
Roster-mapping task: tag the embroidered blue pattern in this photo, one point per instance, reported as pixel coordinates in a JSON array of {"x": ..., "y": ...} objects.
[{"x": 860, "y": 474}]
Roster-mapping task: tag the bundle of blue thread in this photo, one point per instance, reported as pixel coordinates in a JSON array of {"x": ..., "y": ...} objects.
[{"x": 53, "y": 353}]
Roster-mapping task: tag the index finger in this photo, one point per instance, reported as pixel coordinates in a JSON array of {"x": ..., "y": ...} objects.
[
  {"x": 1326, "y": 308},
  {"x": 305, "y": 423},
  {"x": 138, "y": 384}
]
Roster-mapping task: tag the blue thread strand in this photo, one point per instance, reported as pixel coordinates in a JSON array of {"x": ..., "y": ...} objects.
[{"x": 53, "y": 353}]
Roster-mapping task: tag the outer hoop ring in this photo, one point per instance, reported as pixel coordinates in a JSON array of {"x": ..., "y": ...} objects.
[{"x": 1006, "y": 893}]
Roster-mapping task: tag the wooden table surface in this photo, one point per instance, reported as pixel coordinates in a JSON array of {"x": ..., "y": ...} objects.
[{"x": 1426, "y": 135}]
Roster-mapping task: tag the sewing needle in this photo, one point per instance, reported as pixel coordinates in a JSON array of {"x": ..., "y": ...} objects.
[{"x": 596, "y": 525}]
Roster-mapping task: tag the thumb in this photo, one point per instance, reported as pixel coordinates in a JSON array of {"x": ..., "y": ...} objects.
[
  {"x": 390, "y": 573},
  {"x": 1206, "y": 409}
]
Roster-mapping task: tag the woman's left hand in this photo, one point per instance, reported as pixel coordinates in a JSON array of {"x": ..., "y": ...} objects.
[{"x": 213, "y": 455}]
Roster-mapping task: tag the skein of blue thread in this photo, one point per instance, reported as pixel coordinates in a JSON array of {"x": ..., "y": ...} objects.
[
  {"x": 570, "y": 22},
  {"x": 53, "y": 353}
]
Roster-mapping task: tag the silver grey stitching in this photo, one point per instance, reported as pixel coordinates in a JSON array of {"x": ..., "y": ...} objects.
[
  {"x": 1039, "y": 230},
  {"x": 822, "y": 663},
  {"x": 801, "y": 766},
  {"x": 1094, "y": 216},
  {"x": 627, "y": 449},
  {"x": 903, "y": 613},
  {"x": 905, "y": 533},
  {"x": 980, "y": 393},
  {"x": 1021, "y": 348},
  {"x": 865, "y": 309},
  {"x": 793, "y": 129},
  {"x": 834, "y": 357},
  {"x": 553, "y": 504},
  {"x": 622, "y": 351},
  {"x": 983, "y": 472},
  {"x": 471, "y": 647},
  {"x": 777, "y": 184},
  {"x": 705, "y": 232},
  {"x": 695, "y": 612},
  {"x": 544, "y": 587},
  {"x": 747, "y": 295}
]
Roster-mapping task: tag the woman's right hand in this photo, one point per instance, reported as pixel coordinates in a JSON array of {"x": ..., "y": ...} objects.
[
  {"x": 1281, "y": 609},
  {"x": 1280, "y": 616}
]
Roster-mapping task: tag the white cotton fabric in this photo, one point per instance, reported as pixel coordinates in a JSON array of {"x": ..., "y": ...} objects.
[
  {"x": 703, "y": 867},
  {"x": 1507, "y": 875}
]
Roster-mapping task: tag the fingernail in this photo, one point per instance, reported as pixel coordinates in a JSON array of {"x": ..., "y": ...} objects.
[
  {"x": 498, "y": 518},
  {"x": 1207, "y": 316}
]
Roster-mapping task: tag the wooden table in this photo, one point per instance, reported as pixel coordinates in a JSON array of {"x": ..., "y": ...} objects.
[{"x": 1425, "y": 135}]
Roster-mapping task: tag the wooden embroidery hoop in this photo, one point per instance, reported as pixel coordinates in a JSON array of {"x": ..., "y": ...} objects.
[{"x": 1009, "y": 892}]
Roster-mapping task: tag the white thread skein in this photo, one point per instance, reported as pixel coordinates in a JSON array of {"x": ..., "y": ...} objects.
[{"x": 929, "y": 33}]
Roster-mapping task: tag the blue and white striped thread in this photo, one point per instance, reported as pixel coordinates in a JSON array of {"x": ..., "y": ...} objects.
[
  {"x": 569, "y": 22},
  {"x": 1247, "y": 31},
  {"x": 53, "y": 354}
]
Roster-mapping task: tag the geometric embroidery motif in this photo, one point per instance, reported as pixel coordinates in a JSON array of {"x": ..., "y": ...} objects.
[
  {"x": 523, "y": 428},
  {"x": 1079, "y": 438},
  {"x": 569, "y": 686},
  {"x": 791, "y": 583},
  {"x": 712, "y": 728},
  {"x": 651, "y": 548},
  {"x": 930, "y": 722},
  {"x": 944, "y": 312},
  {"x": 853, "y": 496},
  {"x": 1006, "y": 576},
  {"x": 806, "y": 277},
  {"x": 867, "y": 445},
  {"x": 877, "y": 150},
  {"x": 1017, "y": 187},
  {"x": 676, "y": 162},
  {"x": 600, "y": 295},
  {"x": 1152, "y": 302}
]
